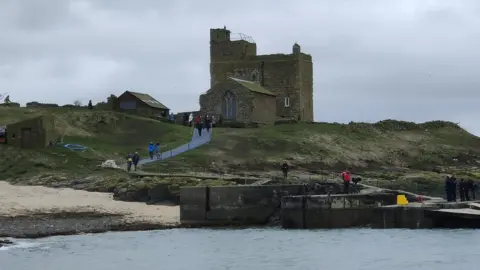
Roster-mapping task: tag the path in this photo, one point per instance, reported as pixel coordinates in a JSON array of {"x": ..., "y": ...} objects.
[{"x": 195, "y": 142}]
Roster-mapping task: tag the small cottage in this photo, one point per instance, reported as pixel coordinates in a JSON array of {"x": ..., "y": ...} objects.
[
  {"x": 142, "y": 104},
  {"x": 33, "y": 133}
]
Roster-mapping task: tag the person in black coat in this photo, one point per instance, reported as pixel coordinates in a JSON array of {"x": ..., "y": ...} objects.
[
  {"x": 285, "y": 169},
  {"x": 461, "y": 190},
  {"x": 448, "y": 189},
  {"x": 471, "y": 188},
  {"x": 454, "y": 188}
]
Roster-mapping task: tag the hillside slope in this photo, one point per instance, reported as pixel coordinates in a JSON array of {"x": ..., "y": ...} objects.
[
  {"x": 327, "y": 146},
  {"x": 401, "y": 154},
  {"x": 108, "y": 135}
]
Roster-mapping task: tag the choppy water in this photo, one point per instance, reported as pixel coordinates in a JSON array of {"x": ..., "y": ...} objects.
[{"x": 250, "y": 249}]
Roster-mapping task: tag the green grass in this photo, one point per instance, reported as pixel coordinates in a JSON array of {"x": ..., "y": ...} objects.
[
  {"x": 332, "y": 146},
  {"x": 108, "y": 135},
  {"x": 388, "y": 151}
]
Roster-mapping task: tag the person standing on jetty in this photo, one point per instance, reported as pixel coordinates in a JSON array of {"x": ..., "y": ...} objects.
[
  {"x": 461, "y": 190},
  {"x": 471, "y": 188},
  {"x": 454, "y": 188},
  {"x": 448, "y": 188},
  {"x": 285, "y": 169},
  {"x": 451, "y": 188},
  {"x": 466, "y": 190},
  {"x": 346, "y": 177}
]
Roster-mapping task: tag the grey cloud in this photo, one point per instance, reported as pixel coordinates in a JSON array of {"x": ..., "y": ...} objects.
[{"x": 411, "y": 60}]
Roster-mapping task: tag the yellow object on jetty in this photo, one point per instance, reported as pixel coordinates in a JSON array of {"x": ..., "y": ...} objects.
[{"x": 402, "y": 200}]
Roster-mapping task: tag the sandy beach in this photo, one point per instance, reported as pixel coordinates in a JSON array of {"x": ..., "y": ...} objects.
[{"x": 35, "y": 211}]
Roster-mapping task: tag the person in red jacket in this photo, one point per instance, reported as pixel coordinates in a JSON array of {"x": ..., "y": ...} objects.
[
  {"x": 198, "y": 124},
  {"x": 347, "y": 178}
]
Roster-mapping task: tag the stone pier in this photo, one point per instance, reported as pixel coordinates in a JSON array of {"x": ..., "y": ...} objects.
[
  {"x": 294, "y": 207},
  {"x": 376, "y": 210},
  {"x": 237, "y": 205}
]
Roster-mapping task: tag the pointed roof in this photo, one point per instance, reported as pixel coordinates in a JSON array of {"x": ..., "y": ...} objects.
[
  {"x": 149, "y": 100},
  {"x": 252, "y": 86}
]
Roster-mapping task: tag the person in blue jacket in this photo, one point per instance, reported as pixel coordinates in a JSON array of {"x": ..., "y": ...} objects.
[{"x": 151, "y": 150}]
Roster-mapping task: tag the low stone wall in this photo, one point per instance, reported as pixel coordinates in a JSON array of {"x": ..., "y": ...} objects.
[
  {"x": 233, "y": 205},
  {"x": 400, "y": 217},
  {"x": 334, "y": 211}
]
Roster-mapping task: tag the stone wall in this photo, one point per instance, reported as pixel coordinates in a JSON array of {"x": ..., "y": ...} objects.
[
  {"x": 233, "y": 50},
  {"x": 237, "y": 205},
  {"x": 278, "y": 76},
  {"x": 35, "y": 104},
  {"x": 32, "y": 133},
  {"x": 346, "y": 211},
  {"x": 10, "y": 105},
  {"x": 287, "y": 75},
  {"x": 211, "y": 102},
  {"x": 263, "y": 109},
  {"x": 306, "y": 77},
  {"x": 252, "y": 107}
]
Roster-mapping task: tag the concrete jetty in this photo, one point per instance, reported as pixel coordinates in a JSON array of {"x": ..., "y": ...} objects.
[
  {"x": 378, "y": 210},
  {"x": 297, "y": 207}
]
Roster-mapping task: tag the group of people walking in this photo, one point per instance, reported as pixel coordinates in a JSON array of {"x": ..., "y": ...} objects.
[
  {"x": 132, "y": 159},
  {"x": 154, "y": 151},
  {"x": 201, "y": 123},
  {"x": 466, "y": 189}
]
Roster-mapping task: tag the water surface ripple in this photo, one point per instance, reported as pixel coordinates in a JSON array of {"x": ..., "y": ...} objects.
[{"x": 251, "y": 249}]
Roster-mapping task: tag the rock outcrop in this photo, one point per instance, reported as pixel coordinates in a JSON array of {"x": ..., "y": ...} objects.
[{"x": 5, "y": 242}]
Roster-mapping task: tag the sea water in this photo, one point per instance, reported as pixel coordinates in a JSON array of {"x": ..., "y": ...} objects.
[{"x": 250, "y": 249}]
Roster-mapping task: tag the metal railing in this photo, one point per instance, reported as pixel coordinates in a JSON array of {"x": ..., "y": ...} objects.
[{"x": 240, "y": 36}]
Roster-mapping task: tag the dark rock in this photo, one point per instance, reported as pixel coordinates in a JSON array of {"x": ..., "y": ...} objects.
[
  {"x": 161, "y": 194},
  {"x": 131, "y": 195},
  {"x": 158, "y": 194},
  {"x": 5, "y": 242}
]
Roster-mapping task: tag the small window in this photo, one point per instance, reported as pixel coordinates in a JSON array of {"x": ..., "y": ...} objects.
[{"x": 287, "y": 102}]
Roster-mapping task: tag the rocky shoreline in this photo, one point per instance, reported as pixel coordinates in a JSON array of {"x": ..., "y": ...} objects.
[
  {"x": 34, "y": 211},
  {"x": 51, "y": 224}
]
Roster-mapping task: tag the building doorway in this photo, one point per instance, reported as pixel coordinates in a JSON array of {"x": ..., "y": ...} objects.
[{"x": 26, "y": 138}]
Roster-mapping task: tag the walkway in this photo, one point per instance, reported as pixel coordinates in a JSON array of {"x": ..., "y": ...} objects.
[{"x": 194, "y": 143}]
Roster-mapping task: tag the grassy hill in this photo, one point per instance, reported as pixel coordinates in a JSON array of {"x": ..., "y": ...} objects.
[
  {"x": 387, "y": 150},
  {"x": 319, "y": 146},
  {"x": 108, "y": 135}
]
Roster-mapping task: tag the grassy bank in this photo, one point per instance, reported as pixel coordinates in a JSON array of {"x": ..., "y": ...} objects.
[
  {"x": 327, "y": 146},
  {"x": 390, "y": 153},
  {"x": 108, "y": 135}
]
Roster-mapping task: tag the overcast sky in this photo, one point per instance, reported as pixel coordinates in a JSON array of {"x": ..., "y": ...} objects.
[{"x": 414, "y": 60}]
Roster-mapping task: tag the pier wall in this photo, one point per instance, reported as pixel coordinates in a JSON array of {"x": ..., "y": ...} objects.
[
  {"x": 233, "y": 205},
  {"x": 345, "y": 211}
]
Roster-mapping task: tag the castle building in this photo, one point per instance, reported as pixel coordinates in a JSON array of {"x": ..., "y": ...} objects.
[{"x": 250, "y": 88}]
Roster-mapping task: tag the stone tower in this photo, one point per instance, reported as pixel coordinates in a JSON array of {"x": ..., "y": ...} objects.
[{"x": 289, "y": 76}]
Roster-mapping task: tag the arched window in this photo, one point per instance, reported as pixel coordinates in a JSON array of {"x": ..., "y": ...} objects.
[{"x": 229, "y": 105}]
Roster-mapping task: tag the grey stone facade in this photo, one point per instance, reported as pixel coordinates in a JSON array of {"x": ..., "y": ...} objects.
[{"x": 234, "y": 100}]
